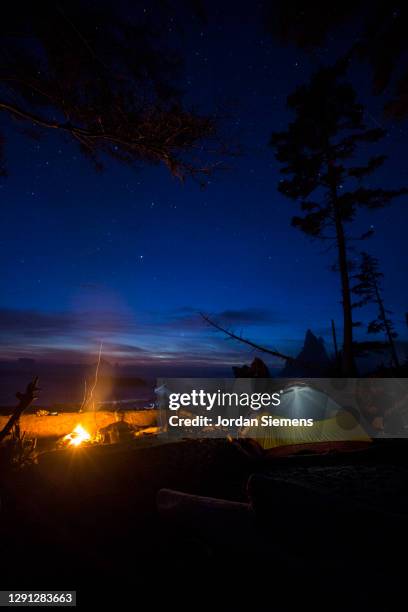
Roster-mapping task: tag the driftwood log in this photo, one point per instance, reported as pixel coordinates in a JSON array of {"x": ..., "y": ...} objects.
[
  {"x": 216, "y": 522},
  {"x": 56, "y": 426}
]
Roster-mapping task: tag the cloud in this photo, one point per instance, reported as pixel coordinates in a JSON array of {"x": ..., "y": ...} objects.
[
  {"x": 190, "y": 318},
  {"x": 167, "y": 337},
  {"x": 250, "y": 316},
  {"x": 33, "y": 330},
  {"x": 34, "y": 322},
  {"x": 31, "y": 322}
]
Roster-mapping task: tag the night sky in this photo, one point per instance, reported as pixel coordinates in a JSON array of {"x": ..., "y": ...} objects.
[{"x": 130, "y": 256}]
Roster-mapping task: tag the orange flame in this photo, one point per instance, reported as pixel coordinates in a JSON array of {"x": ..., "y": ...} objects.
[{"x": 77, "y": 436}]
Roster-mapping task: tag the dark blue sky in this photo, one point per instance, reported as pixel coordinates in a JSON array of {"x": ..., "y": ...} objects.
[{"x": 129, "y": 257}]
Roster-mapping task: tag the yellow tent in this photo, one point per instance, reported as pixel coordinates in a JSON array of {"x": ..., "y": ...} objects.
[{"x": 331, "y": 423}]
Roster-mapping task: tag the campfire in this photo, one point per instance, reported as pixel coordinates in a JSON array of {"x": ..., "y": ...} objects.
[{"x": 77, "y": 437}]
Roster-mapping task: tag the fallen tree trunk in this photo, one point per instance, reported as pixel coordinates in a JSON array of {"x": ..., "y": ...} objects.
[
  {"x": 255, "y": 346},
  {"x": 218, "y": 523}
]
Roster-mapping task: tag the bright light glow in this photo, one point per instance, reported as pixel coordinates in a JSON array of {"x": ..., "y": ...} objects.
[{"x": 78, "y": 436}]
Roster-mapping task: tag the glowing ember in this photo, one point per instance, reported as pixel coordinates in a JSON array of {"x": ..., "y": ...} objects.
[{"x": 77, "y": 437}]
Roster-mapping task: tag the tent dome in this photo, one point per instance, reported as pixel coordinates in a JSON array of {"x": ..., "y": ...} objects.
[{"x": 331, "y": 422}]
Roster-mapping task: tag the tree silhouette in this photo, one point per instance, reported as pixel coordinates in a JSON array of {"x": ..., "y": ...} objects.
[
  {"x": 381, "y": 39},
  {"x": 107, "y": 83},
  {"x": 368, "y": 289},
  {"x": 316, "y": 153}
]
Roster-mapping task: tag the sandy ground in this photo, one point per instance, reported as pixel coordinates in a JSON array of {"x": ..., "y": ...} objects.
[
  {"x": 62, "y": 424},
  {"x": 88, "y": 520}
]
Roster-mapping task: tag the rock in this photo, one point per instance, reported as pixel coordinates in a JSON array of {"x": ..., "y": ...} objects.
[{"x": 312, "y": 360}]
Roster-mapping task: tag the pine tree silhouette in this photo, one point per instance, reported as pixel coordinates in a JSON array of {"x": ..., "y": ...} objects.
[
  {"x": 316, "y": 153},
  {"x": 103, "y": 80},
  {"x": 368, "y": 289}
]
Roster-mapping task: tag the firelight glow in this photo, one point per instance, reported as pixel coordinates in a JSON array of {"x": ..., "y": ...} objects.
[{"x": 78, "y": 436}]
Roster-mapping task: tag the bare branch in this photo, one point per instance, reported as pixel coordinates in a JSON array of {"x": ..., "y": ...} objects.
[
  {"x": 157, "y": 135},
  {"x": 25, "y": 400},
  {"x": 246, "y": 341}
]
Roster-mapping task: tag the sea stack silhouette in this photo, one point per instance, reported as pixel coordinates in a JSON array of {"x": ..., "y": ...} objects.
[{"x": 312, "y": 360}]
